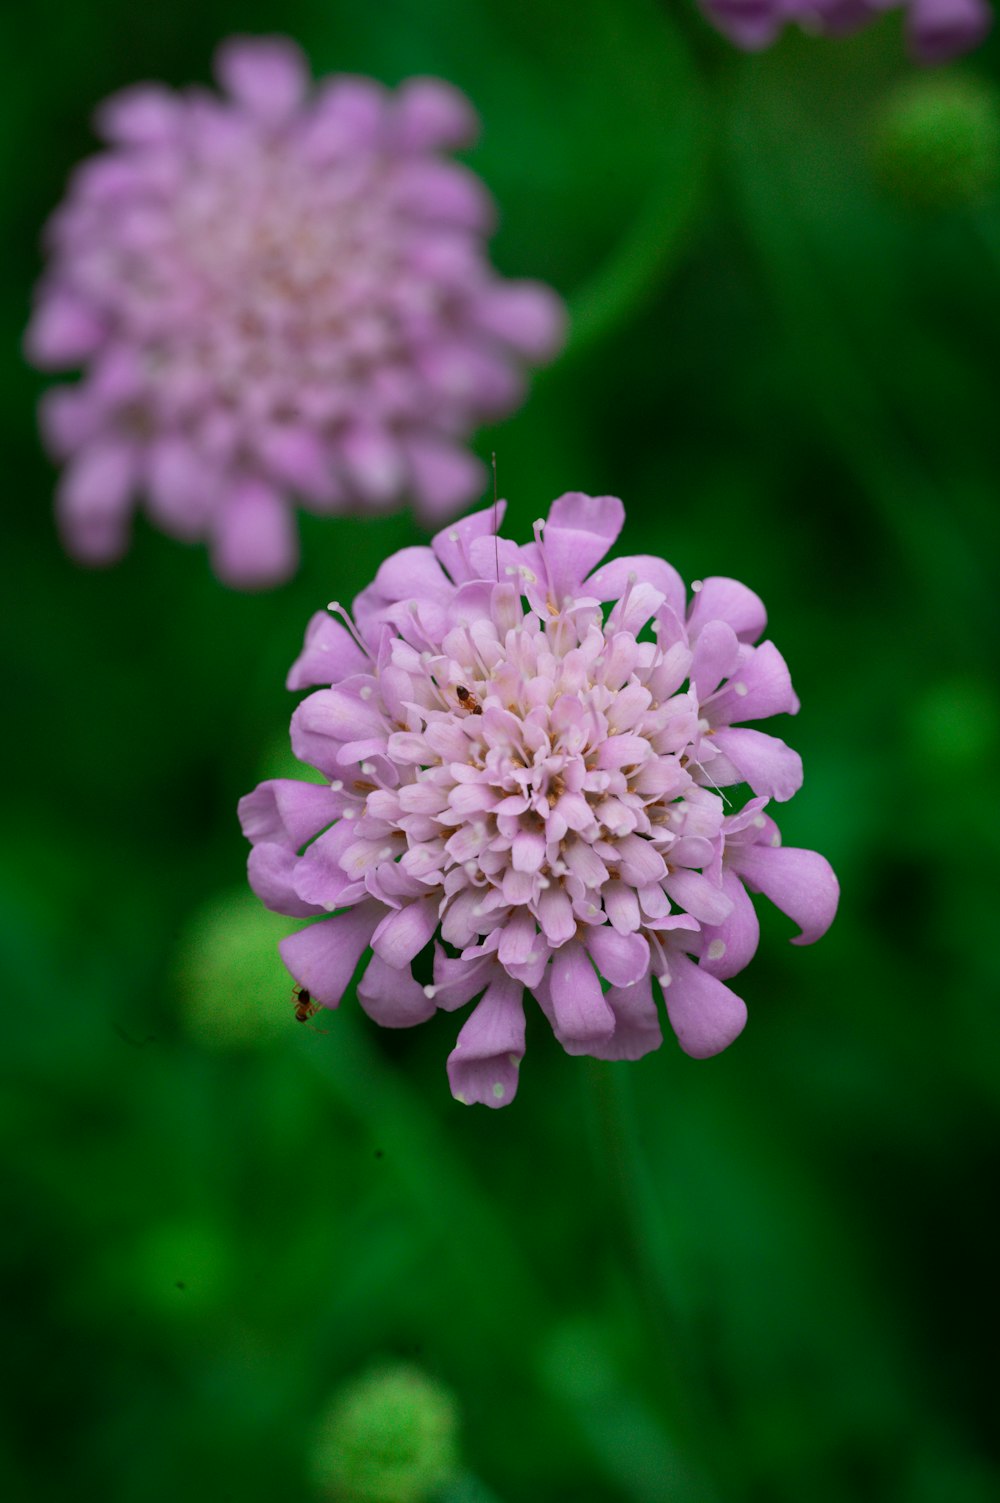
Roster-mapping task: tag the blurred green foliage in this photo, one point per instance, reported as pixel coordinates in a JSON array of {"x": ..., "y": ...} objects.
[
  {"x": 764, "y": 1278},
  {"x": 937, "y": 140}
]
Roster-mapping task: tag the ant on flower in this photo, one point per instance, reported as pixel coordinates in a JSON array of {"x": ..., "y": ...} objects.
[
  {"x": 468, "y": 700},
  {"x": 305, "y": 1007}
]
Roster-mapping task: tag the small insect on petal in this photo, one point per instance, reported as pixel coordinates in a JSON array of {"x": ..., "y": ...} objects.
[
  {"x": 305, "y": 1007},
  {"x": 468, "y": 700}
]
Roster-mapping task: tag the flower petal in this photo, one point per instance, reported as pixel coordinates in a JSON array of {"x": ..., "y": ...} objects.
[
  {"x": 528, "y": 316},
  {"x": 579, "y": 531},
  {"x": 142, "y": 115},
  {"x": 801, "y": 883},
  {"x": 457, "y": 981},
  {"x": 65, "y": 330},
  {"x": 518, "y": 939},
  {"x": 320, "y": 877},
  {"x": 451, "y": 547},
  {"x": 446, "y": 193},
  {"x": 641, "y": 603},
  {"x": 286, "y": 811},
  {"x": 330, "y": 719},
  {"x": 622, "y": 907},
  {"x": 555, "y": 915},
  {"x": 94, "y": 501},
  {"x": 765, "y": 762},
  {"x": 69, "y": 417},
  {"x": 431, "y": 115},
  {"x": 181, "y": 487},
  {"x": 639, "y": 861},
  {"x": 527, "y": 851},
  {"x": 731, "y": 945},
  {"x": 750, "y": 24},
  {"x": 484, "y": 1063},
  {"x": 348, "y": 117},
  {"x": 760, "y": 686},
  {"x": 622, "y": 959},
  {"x": 328, "y": 654},
  {"x": 255, "y": 543},
  {"x": 391, "y": 997},
  {"x": 323, "y": 957},
  {"x": 271, "y": 869},
  {"x": 582, "y": 1016},
  {"x": 603, "y": 516},
  {"x": 938, "y": 30},
  {"x": 402, "y": 934},
  {"x": 698, "y": 895},
  {"x": 611, "y": 580},
  {"x": 721, "y": 599},
  {"x": 637, "y": 1024},
  {"x": 374, "y": 463},
  {"x": 268, "y": 76},
  {"x": 297, "y": 457},
  {"x": 413, "y": 574},
  {"x": 705, "y": 1015},
  {"x": 716, "y": 653},
  {"x": 445, "y": 477}
]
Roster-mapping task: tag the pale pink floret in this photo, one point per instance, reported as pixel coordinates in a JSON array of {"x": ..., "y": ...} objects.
[
  {"x": 277, "y": 294},
  {"x": 524, "y": 754}
]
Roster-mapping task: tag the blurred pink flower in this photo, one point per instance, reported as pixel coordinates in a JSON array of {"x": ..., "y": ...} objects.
[
  {"x": 522, "y": 753},
  {"x": 936, "y": 30},
  {"x": 276, "y": 294}
]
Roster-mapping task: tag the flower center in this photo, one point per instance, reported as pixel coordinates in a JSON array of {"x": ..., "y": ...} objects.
[
  {"x": 292, "y": 264},
  {"x": 256, "y": 282},
  {"x": 543, "y": 772}
]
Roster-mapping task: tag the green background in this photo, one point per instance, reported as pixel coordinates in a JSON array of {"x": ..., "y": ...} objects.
[{"x": 762, "y": 1278}]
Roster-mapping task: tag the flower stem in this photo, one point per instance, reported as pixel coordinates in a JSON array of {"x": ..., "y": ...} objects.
[
  {"x": 655, "y": 1272},
  {"x": 651, "y": 245},
  {"x": 643, "y": 257}
]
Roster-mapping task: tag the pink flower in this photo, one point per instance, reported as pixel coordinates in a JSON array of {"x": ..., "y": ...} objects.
[
  {"x": 276, "y": 294},
  {"x": 936, "y": 30},
  {"x": 523, "y": 752}
]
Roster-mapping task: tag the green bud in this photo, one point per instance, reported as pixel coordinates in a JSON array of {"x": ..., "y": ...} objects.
[
  {"x": 936, "y": 141},
  {"x": 233, "y": 989},
  {"x": 389, "y": 1437}
]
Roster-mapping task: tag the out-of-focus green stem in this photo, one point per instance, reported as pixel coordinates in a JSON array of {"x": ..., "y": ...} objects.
[
  {"x": 650, "y": 246},
  {"x": 646, "y": 254},
  {"x": 654, "y": 1270}
]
